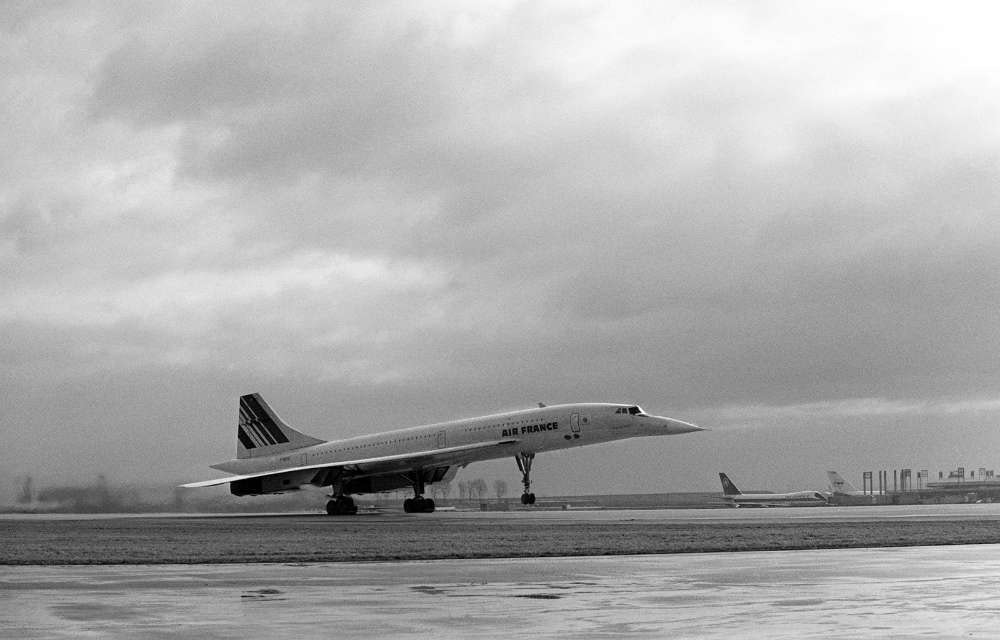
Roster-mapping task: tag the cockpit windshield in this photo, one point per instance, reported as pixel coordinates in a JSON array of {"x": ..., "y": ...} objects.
[{"x": 633, "y": 410}]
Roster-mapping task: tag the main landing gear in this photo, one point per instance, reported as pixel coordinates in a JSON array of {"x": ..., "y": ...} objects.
[
  {"x": 341, "y": 506},
  {"x": 524, "y": 461},
  {"x": 418, "y": 503}
]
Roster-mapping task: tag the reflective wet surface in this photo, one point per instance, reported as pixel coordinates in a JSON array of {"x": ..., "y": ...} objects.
[{"x": 914, "y": 592}]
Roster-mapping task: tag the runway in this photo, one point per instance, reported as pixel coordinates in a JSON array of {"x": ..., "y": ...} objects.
[
  {"x": 957, "y": 511},
  {"x": 915, "y": 592},
  {"x": 393, "y": 535}
]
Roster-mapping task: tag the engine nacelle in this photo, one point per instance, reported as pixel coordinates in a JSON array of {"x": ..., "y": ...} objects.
[{"x": 277, "y": 483}]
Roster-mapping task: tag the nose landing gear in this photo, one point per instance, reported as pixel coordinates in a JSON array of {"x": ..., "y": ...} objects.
[{"x": 524, "y": 461}]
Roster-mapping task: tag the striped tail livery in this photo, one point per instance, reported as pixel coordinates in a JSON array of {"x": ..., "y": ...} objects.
[{"x": 262, "y": 432}]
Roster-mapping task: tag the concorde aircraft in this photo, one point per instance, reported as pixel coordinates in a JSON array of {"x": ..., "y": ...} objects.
[
  {"x": 795, "y": 499},
  {"x": 271, "y": 457}
]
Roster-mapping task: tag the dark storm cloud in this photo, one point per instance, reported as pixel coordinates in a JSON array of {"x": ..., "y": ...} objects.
[
  {"x": 279, "y": 100},
  {"x": 410, "y": 214},
  {"x": 140, "y": 85}
]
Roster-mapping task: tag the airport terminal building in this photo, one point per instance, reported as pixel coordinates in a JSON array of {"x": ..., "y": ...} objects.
[{"x": 957, "y": 486}]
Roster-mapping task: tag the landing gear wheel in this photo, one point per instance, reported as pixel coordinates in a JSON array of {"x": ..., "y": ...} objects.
[
  {"x": 341, "y": 506},
  {"x": 419, "y": 504},
  {"x": 524, "y": 461}
]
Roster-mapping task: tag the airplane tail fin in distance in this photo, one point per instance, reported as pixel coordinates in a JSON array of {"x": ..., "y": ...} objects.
[
  {"x": 728, "y": 488},
  {"x": 838, "y": 484},
  {"x": 261, "y": 432}
]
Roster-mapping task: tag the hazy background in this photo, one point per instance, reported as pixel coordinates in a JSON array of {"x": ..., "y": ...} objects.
[{"x": 777, "y": 220}]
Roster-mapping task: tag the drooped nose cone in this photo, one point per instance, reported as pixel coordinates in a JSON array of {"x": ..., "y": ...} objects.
[
  {"x": 676, "y": 427},
  {"x": 663, "y": 426}
]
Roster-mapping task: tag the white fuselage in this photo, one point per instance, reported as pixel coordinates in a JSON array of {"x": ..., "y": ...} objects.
[
  {"x": 530, "y": 431},
  {"x": 793, "y": 499}
]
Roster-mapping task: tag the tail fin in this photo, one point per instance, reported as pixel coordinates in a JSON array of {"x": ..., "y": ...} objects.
[
  {"x": 838, "y": 484},
  {"x": 728, "y": 488},
  {"x": 262, "y": 433}
]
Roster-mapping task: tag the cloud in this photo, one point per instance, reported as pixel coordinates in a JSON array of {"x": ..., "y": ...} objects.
[{"x": 707, "y": 206}]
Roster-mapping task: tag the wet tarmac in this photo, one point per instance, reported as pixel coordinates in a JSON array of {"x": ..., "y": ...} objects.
[{"x": 913, "y": 592}]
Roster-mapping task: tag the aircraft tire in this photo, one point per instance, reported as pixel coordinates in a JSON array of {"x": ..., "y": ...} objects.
[
  {"x": 348, "y": 507},
  {"x": 341, "y": 507},
  {"x": 418, "y": 505}
]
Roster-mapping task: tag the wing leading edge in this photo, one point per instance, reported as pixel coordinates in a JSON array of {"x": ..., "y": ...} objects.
[{"x": 448, "y": 455}]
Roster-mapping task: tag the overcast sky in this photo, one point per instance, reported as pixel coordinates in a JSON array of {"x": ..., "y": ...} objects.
[{"x": 777, "y": 220}]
